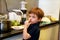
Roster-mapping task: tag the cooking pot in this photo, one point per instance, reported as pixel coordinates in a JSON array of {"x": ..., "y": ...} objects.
[{"x": 5, "y": 26}]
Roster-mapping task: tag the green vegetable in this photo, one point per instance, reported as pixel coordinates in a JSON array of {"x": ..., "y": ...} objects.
[{"x": 15, "y": 23}]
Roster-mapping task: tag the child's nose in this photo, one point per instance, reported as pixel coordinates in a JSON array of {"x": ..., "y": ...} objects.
[{"x": 30, "y": 18}]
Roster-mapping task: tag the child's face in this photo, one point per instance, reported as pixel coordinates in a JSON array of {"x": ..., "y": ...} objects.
[{"x": 33, "y": 18}]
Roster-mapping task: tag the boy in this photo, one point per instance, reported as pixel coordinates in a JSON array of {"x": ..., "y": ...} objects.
[{"x": 31, "y": 27}]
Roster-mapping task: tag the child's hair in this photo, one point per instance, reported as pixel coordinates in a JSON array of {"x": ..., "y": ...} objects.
[{"x": 37, "y": 11}]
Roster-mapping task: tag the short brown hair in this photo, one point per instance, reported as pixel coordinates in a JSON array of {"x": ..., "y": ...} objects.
[{"x": 37, "y": 11}]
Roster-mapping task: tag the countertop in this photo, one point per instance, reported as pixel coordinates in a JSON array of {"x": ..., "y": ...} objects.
[{"x": 16, "y": 32}]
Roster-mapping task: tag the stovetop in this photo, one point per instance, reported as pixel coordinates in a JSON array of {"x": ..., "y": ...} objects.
[{"x": 10, "y": 33}]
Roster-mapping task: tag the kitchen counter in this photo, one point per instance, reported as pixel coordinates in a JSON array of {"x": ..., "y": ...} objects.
[
  {"x": 48, "y": 24},
  {"x": 10, "y": 34},
  {"x": 19, "y": 32}
]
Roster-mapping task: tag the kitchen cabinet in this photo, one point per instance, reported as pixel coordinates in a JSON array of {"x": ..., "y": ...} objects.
[{"x": 49, "y": 32}]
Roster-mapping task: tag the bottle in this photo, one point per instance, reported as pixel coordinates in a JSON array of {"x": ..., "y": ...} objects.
[{"x": 24, "y": 10}]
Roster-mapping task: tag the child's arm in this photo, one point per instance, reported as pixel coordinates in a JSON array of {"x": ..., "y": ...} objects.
[{"x": 26, "y": 35}]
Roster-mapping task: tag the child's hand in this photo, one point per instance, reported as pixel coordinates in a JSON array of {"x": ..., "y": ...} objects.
[{"x": 27, "y": 23}]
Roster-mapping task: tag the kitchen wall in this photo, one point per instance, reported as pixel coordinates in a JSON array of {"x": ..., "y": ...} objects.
[
  {"x": 50, "y": 7},
  {"x": 3, "y": 6},
  {"x": 31, "y": 4},
  {"x": 15, "y": 4},
  {"x": 10, "y": 4},
  {"x": 0, "y": 5}
]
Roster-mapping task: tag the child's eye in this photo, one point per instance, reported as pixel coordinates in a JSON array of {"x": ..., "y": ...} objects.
[{"x": 33, "y": 17}]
